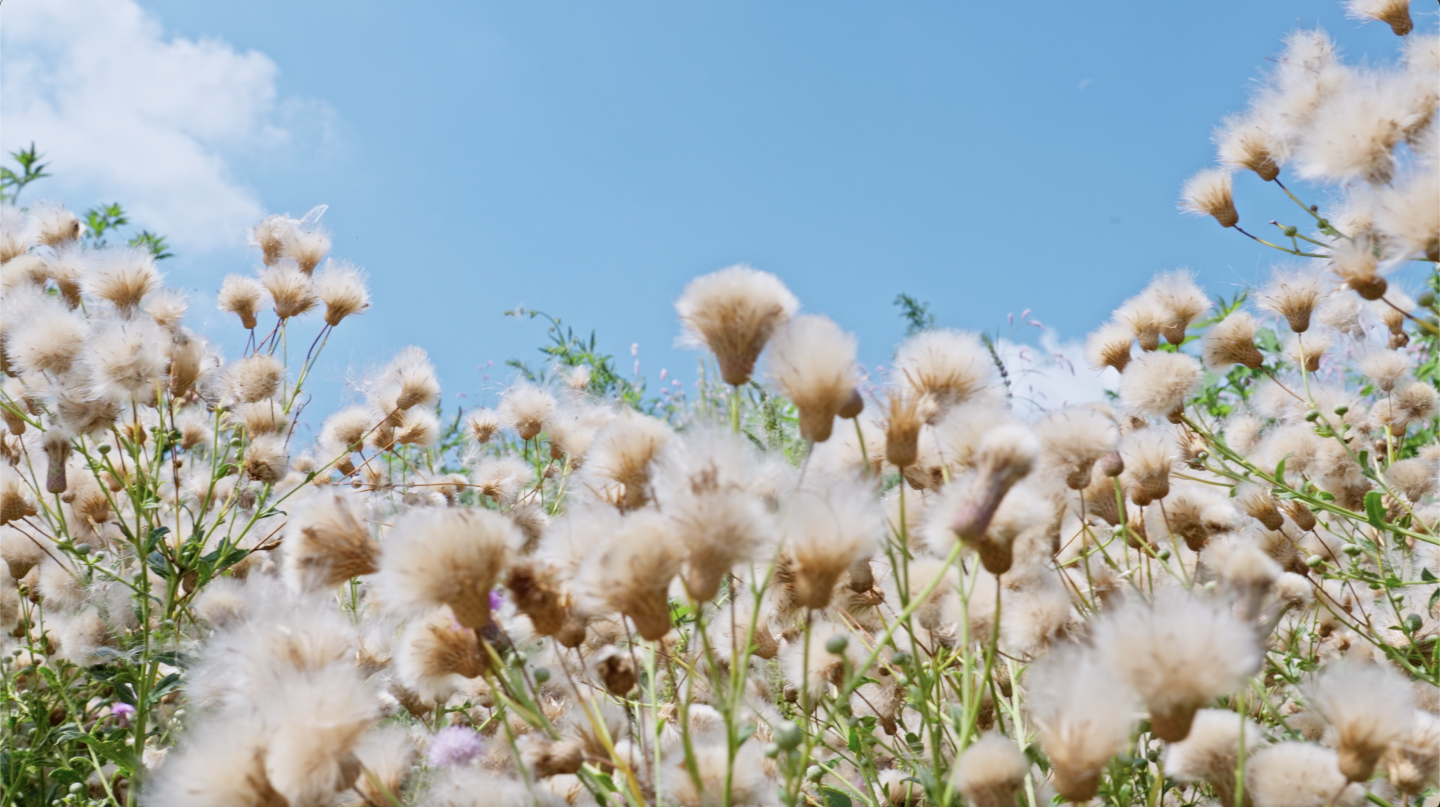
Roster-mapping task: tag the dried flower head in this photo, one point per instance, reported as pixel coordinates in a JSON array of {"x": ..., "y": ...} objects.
[
  {"x": 1158, "y": 384},
  {"x": 702, "y": 484},
  {"x": 907, "y": 416},
  {"x": 1394, "y": 13},
  {"x": 482, "y": 425},
  {"x": 991, "y": 772},
  {"x": 1386, "y": 368},
  {"x": 122, "y": 277},
  {"x": 1293, "y": 294},
  {"x": 619, "y": 463},
  {"x": 733, "y": 312},
  {"x": 526, "y": 408},
  {"x": 1208, "y": 193},
  {"x": 1211, "y": 752},
  {"x": 1307, "y": 351},
  {"x": 47, "y": 339},
  {"x": 1109, "y": 346},
  {"x": 1004, "y": 456},
  {"x": 326, "y": 543},
  {"x": 1149, "y": 457},
  {"x": 944, "y": 366},
  {"x": 255, "y": 378},
  {"x": 341, "y": 286},
  {"x": 452, "y": 556},
  {"x": 243, "y": 297},
  {"x": 1083, "y": 712},
  {"x": 1075, "y": 439},
  {"x": 1180, "y": 299},
  {"x": 630, "y": 572},
  {"x": 409, "y": 380},
  {"x": 1178, "y": 655},
  {"x": 290, "y": 289},
  {"x": 1356, "y": 264},
  {"x": 1368, "y": 705},
  {"x": 265, "y": 458},
  {"x": 812, "y": 361},
  {"x": 167, "y": 307},
  {"x": 1246, "y": 142},
  {"x": 1230, "y": 342},
  {"x": 829, "y": 527},
  {"x": 1298, "y": 774}
]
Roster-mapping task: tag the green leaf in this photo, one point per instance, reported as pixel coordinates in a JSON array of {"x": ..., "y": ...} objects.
[
  {"x": 835, "y": 798},
  {"x": 159, "y": 564},
  {"x": 1374, "y": 509},
  {"x": 153, "y": 539},
  {"x": 1280, "y": 469},
  {"x": 1427, "y": 577}
]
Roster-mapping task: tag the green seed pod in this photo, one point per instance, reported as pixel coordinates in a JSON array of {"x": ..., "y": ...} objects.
[
  {"x": 836, "y": 645},
  {"x": 788, "y": 736}
]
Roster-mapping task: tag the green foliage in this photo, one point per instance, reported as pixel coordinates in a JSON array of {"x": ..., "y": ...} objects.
[
  {"x": 916, "y": 314},
  {"x": 31, "y": 169}
]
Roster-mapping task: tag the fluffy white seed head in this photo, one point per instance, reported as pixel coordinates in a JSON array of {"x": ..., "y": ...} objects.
[
  {"x": 618, "y": 467},
  {"x": 1149, "y": 457},
  {"x": 812, "y": 361},
  {"x": 1231, "y": 342},
  {"x": 291, "y": 290},
  {"x": 991, "y": 772},
  {"x": 46, "y": 339},
  {"x": 1368, "y": 705},
  {"x": 526, "y": 408},
  {"x": 125, "y": 359},
  {"x": 1083, "y": 712},
  {"x": 1180, "y": 299},
  {"x": 733, "y": 312},
  {"x": 944, "y": 366},
  {"x": 255, "y": 378},
  {"x": 1209, "y": 193},
  {"x": 1293, "y": 294},
  {"x": 1158, "y": 384},
  {"x": 123, "y": 277},
  {"x": 1211, "y": 754},
  {"x": 450, "y": 556},
  {"x": 701, "y": 483},
  {"x": 1406, "y": 215},
  {"x": 1246, "y": 142},
  {"x": 828, "y": 527},
  {"x": 1298, "y": 774},
  {"x": 243, "y": 297},
  {"x": 631, "y": 570},
  {"x": 340, "y": 285},
  {"x": 1178, "y": 655},
  {"x": 1109, "y": 346},
  {"x": 1074, "y": 439},
  {"x": 1394, "y": 13}
]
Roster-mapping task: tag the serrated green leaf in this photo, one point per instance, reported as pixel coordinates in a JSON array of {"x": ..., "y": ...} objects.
[{"x": 1375, "y": 509}]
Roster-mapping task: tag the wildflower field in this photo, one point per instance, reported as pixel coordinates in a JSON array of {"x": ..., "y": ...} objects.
[{"x": 798, "y": 586}]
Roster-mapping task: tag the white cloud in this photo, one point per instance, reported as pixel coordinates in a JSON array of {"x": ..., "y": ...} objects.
[
  {"x": 1052, "y": 374},
  {"x": 125, "y": 112}
]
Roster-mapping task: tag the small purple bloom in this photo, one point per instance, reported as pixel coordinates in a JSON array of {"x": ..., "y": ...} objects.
[
  {"x": 496, "y": 600},
  {"x": 123, "y": 713},
  {"x": 453, "y": 745}
]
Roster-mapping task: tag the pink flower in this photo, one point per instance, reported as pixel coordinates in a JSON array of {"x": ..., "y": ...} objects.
[{"x": 453, "y": 745}]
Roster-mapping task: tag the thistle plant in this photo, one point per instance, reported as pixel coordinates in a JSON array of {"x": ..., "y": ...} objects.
[{"x": 804, "y": 585}]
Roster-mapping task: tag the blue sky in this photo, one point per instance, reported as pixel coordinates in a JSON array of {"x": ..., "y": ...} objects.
[{"x": 587, "y": 159}]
